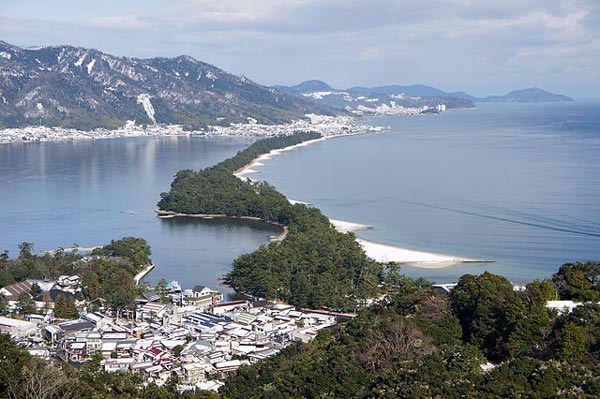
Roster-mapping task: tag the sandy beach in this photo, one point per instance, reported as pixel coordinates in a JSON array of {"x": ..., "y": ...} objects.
[
  {"x": 387, "y": 253},
  {"x": 427, "y": 260},
  {"x": 258, "y": 161},
  {"x": 247, "y": 169},
  {"x": 379, "y": 252},
  {"x": 348, "y": 227}
]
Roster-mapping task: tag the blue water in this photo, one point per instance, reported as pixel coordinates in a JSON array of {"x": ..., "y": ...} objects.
[
  {"x": 515, "y": 183},
  {"x": 57, "y": 194},
  {"x": 518, "y": 184}
]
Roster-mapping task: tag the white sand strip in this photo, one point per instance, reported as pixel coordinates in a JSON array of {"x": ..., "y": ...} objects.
[
  {"x": 378, "y": 252},
  {"x": 264, "y": 157},
  {"x": 346, "y": 227},
  {"x": 387, "y": 253},
  {"x": 427, "y": 260},
  {"x": 294, "y": 202}
]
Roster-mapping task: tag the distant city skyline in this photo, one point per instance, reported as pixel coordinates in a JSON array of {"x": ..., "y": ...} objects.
[{"x": 483, "y": 48}]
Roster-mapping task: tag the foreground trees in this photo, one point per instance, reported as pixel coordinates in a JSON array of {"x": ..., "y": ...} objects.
[{"x": 424, "y": 344}]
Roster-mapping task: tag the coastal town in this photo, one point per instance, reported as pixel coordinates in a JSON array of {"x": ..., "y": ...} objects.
[
  {"x": 190, "y": 335},
  {"x": 187, "y": 336},
  {"x": 327, "y": 126}
]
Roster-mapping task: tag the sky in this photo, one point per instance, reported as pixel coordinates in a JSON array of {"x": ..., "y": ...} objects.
[{"x": 482, "y": 47}]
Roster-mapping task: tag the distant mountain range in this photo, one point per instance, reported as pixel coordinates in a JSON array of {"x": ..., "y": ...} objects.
[
  {"x": 378, "y": 100},
  {"x": 411, "y": 95},
  {"x": 83, "y": 88}
]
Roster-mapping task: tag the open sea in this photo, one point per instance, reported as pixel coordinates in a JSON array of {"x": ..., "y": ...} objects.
[
  {"x": 516, "y": 183},
  {"x": 519, "y": 184}
]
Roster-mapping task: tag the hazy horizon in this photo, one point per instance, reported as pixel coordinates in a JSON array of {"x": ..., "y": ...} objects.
[{"x": 454, "y": 45}]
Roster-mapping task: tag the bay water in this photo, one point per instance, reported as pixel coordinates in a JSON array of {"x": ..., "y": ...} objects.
[
  {"x": 518, "y": 184},
  {"x": 55, "y": 194},
  {"x": 515, "y": 183}
]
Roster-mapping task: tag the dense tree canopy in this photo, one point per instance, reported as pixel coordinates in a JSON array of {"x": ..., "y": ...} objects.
[
  {"x": 579, "y": 281},
  {"x": 422, "y": 344},
  {"x": 314, "y": 266},
  {"x": 136, "y": 250}
]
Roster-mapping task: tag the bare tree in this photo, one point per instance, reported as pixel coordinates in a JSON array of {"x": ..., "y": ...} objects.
[{"x": 42, "y": 381}]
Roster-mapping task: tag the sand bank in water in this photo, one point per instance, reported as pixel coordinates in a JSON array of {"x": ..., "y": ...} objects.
[{"x": 387, "y": 253}]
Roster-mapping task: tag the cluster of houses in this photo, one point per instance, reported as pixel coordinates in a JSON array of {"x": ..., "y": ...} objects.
[
  {"x": 67, "y": 285},
  {"x": 193, "y": 335}
]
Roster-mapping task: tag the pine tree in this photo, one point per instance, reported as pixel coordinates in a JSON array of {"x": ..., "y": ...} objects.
[
  {"x": 60, "y": 306},
  {"x": 26, "y": 303},
  {"x": 71, "y": 311}
]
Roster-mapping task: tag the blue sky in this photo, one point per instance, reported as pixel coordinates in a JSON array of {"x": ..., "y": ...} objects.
[{"x": 482, "y": 47}]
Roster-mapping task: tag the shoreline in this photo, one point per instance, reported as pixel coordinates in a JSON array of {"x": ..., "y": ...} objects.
[
  {"x": 241, "y": 172},
  {"x": 325, "y": 125},
  {"x": 403, "y": 256},
  {"x": 138, "y": 277},
  {"x": 379, "y": 252},
  {"x": 161, "y": 214},
  {"x": 384, "y": 253}
]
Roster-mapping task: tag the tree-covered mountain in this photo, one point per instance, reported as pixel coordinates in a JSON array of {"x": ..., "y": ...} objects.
[
  {"x": 532, "y": 95},
  {"x": 483, "y": 340},
  {"x": 85, "y": 88}
]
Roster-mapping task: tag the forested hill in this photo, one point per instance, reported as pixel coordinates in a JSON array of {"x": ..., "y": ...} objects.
[
  {"x": 215, "y": 190},
  {"x": 314, "y": 266},
  {"x": 423, "y": 344},
  {"x": 85, "y": 88}
]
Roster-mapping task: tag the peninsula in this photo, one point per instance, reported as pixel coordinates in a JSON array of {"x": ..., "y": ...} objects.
[
  {"x": 378, "y": 252},
  {"x": 316, "y": 264}
]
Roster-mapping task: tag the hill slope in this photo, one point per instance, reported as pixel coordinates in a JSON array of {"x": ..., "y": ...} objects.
[
  {"x": 532, "y": 95},
  {"x": 379, "y": 100},
  {"x": 84, "y": 88}
]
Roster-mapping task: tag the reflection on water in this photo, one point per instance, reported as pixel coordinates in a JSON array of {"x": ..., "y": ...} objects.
[{"x": 55, "y": 194}]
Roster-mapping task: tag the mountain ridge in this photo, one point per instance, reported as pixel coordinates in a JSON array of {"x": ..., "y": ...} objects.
[
  {"x": 382, "y": 100},
  {"x": 86, "y": 88},
  {"x": 533, "y": 94},
  {"x": 530, "y": 95}
]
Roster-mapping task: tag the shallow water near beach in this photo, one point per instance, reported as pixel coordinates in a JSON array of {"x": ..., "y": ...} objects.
[
  {"x": 515, "y": 183},
  {"x": 518, "y": 184},
  {"x": 89, "y": 192}
]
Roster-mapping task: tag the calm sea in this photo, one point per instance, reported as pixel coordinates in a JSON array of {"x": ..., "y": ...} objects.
[
  {"x": 55, "y": 194},
  {"x": 517, "y": 184}
]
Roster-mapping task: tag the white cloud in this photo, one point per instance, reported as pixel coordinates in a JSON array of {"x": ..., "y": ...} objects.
[
  {"x": 120, "y": 22},
  {"x": 456, "y": 44},
  {"x": 370, "y": 54},
  {"x": 189, "y": 11}
]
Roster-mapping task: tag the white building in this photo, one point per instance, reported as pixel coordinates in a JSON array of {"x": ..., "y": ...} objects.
[{"x": 17, "y": 328}]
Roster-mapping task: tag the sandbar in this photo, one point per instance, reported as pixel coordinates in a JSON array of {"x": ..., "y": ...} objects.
[
  {"x": 378, "y": 252},
  {"x": 427, "y": 260},
  {"x": 347, "y": 227}
]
